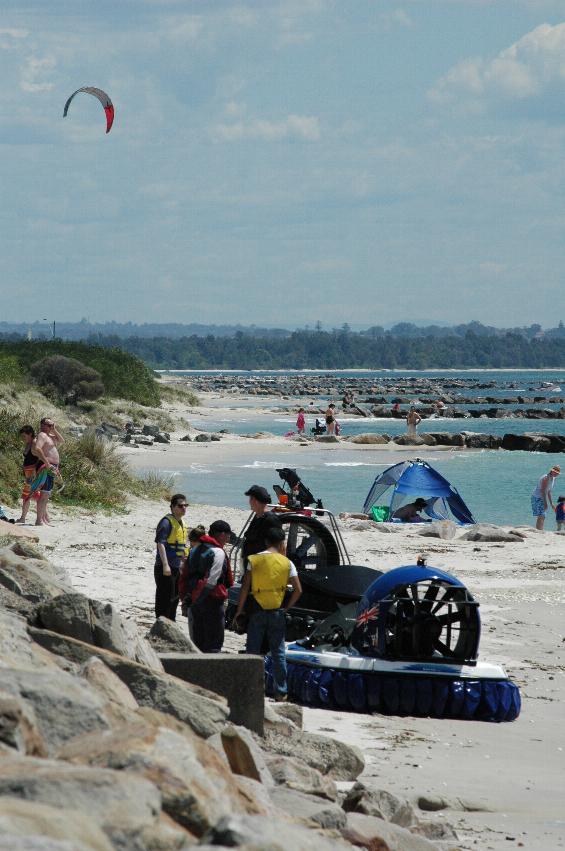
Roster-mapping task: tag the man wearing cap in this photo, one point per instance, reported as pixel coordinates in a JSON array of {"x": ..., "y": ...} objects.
[
  {"x": 206, "y": 580},
  {"x": 542, "y": 496},
  {"x": 254, "y": 538},
  {"x": 267, "y": 576},
  {"x": 410, "y": 513}
]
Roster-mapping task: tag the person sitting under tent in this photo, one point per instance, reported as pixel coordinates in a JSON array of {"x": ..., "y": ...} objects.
[{"x": 409, "y": 513}]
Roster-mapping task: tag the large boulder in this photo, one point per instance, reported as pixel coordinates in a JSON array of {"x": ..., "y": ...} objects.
[
  {"x": 204, "y": 711},
  {"x": 38, "y": 579},
  {"x": 197, "y": 787},
  {"x": 486, "y": 533},
  {"x": 378, "y": 835},
  {"x": 245, "y": 757},
  {"x": 409, "y": 440},
  {"x": 23, "y": 823},
  {"x": 444, "y": 529},
  {"x": 295, "y": 774},
  {"x": 122, "y": 804},
  {"x": 166, "y": 636},
  {"x": 477, "y": 440},
  {"x": 100, "y": 624},
  {"x": 528, "y": 442},
  {"x": 447, "y": 438},
  {"x": 369, "y": 438},
  {"x": 17, "y": 649},
  {"x": 61, "y": 705},
  {"x": 18, "y": 727},
  {"x": 379, "y": 803},
  {"x": 260, "y": 832},
  {"x": 333, "y": 758},
  {"x": 309, "y": 808}
]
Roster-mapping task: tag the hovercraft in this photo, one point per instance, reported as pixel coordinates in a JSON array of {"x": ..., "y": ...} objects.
[{"x": 408, "y": 647}]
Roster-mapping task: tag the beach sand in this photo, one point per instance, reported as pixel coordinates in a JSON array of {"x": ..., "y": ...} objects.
[{"x": 511, "y": 775}]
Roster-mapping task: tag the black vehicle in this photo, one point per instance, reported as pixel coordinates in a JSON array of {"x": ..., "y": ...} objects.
[{"x": 329, "y": 580}]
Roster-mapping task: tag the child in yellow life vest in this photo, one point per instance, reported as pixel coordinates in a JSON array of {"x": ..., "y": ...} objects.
[{"x": 267, "y": 576}]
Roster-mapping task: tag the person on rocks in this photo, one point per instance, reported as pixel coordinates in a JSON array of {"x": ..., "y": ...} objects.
[
  {"x": 412, "y": 421},
  {"x": 300, "y": 421},
  {"x": 267, "y": 576},
  {"x": 30, "y": 465},
  {"x": 541, "y": 496},
  {"x": 330, "y": 418},
  {"x": 205, "y": 581},
  {"x": 171, "y": 538},
  {"x": 46, "y": 448},
  {"x": 254, "y": 538}
]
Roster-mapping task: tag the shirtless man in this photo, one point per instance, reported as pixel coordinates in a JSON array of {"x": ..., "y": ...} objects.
[
  {"x": 541, "y": 497},
  {"x": 46, "y": 448}
]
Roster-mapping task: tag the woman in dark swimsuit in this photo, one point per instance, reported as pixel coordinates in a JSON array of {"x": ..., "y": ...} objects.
[{"x": 30, "y": 463}]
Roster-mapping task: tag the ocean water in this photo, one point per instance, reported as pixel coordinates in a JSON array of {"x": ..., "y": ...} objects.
[{"x": 496, "y": 485}]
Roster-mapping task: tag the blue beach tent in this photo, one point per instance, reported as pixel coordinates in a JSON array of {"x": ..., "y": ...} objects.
[{"x": 417, "y": 479}]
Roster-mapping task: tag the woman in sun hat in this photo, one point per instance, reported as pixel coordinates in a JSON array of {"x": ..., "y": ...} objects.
[{"x": 541, "y": 497}]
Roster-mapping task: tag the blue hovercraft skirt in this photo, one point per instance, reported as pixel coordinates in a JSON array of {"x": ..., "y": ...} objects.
[{"x": 400, "y": 692}]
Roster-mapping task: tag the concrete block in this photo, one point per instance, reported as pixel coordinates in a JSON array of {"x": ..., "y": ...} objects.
[{"x": 240, "y": 678}]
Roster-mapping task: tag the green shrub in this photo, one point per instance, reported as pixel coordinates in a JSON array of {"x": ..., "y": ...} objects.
[
  {"x": 68, "y": 378},
  {"x": 124, "y": 375},
  {"x": 10, "y": 370}
]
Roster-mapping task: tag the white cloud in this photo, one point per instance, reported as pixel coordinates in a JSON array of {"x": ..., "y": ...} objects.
[
  {"x": 303, "y": 127},
  {"x": 396, "y": 18},
  {"x": 523, "y": 70},
  {"x": 33, "y": 73},
  {"x": 9, "y": 37}
]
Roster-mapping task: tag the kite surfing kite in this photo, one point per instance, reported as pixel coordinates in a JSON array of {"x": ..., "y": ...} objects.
[{"x": 102, "y": 97}]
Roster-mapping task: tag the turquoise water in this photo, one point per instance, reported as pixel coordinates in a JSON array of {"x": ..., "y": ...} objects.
[{"x": 496, "y": 485}]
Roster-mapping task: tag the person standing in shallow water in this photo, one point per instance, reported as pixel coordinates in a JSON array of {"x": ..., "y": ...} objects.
[
  {"x": 171, "y": 539},
  {"x": 541, "y": 496},
  {"x": 413, "y": 420},
  {"x": 300, "y": 421}
]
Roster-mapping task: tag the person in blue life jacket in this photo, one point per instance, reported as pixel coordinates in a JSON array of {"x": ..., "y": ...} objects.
[
  {"x": 171, "y": 540},
  {"x": 267, "y": 576},
  {"x": 205, "y": 580}
]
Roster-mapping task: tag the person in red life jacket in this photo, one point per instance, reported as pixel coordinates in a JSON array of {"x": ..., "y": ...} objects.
[
  {"x": 171, "y": 540},
  {"x": 205, "y": 584},
  {"x": 267, "y": 576}
]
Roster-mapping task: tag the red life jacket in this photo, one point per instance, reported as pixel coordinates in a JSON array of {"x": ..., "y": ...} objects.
[{"x": 198, "y": 566}]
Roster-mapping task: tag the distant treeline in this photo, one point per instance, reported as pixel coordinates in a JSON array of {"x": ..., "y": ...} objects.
[
  {"x": 347, "y": 350},
  {"x": 124, "y": 375},
  {"x": 101, "y": 332}
]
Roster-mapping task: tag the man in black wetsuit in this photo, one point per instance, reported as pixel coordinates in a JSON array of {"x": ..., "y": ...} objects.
[{"x": 254, "y": 538}]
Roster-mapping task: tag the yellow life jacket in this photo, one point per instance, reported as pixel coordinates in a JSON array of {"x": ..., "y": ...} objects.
[
  {"x": 177, "y": 541},
  {"x": 270, "y": 573}
]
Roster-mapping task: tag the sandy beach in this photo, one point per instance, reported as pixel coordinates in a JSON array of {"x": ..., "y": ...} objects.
[{"x": 504, "y": 783}]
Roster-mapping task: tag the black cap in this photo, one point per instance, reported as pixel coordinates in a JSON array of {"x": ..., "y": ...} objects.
[
  {"x": 219, "y": 526},
  {"x": 261, "y": 494},
  {"x": 421, "y": 501}
]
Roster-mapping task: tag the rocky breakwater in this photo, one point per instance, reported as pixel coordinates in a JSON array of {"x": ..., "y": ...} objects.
[
  {"x": 100, "y": 749},
  {"x": 528, "y": 442}
]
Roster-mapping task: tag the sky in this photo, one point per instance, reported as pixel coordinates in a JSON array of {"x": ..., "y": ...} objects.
[{"x": 283, "y": 162}]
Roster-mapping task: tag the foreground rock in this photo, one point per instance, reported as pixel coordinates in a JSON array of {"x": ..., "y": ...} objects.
[
  {"x": 333, "y": 758},
  {"x": 99, "y": 624},
  {"x": 204, "y": 711}
]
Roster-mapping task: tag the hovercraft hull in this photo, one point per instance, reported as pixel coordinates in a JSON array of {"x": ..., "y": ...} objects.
[{"x": 345, "y": 681}]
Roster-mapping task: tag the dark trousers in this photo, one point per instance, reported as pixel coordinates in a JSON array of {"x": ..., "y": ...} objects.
[
  {"x": 166, "y": 593},
  {"x": 208, "y": 620}
]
